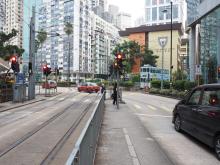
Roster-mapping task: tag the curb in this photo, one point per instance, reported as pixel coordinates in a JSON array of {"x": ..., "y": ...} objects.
[{"x": 18, "y": 106}]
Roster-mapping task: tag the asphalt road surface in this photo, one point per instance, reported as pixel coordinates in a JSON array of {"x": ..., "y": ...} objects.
[{"x": 155, "y": 113}]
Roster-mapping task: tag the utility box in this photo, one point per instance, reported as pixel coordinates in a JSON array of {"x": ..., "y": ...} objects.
[{"x": 19, "y": 92}]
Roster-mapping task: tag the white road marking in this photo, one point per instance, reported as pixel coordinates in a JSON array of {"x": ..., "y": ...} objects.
[
  {"x": 139, "y": 114},
  {"x": 61, "y": 99},
  {"x": 87, "y": 100},
  {"x": 74, "y": 100},
  {"x": 166, "y": 109},
  {"x": 137, "y": 106},
  {"x": 151, "y": 107},
  {"x": 131, "y": 148}
]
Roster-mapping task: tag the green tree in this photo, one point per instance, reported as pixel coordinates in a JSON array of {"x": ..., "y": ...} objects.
[
  {"x": 68, "y": 28},
  {"x": 41, "y": 38},
  {"x": 179, "y": 75},
  {"x": 131, "y": 50},
  {"x": 148, "y": 57},
  {"x": 6, "y": 50}
]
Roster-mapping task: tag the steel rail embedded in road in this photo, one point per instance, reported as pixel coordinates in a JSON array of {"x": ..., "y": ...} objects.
[
  {"x": 66, "y": 136},
  {"x": 34, "y": 131},
  {"x": 37, "y": 111}
]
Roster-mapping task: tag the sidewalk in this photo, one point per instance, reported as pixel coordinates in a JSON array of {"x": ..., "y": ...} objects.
[{"x": 125, "y": 141}]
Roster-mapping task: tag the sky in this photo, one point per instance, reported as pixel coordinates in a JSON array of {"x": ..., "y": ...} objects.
[{"x": 133, "y": 7}]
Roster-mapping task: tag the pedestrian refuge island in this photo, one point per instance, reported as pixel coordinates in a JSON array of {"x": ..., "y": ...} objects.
[{"x": 85, "y": 147}]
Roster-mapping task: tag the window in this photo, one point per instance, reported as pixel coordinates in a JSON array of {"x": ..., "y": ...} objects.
[
  {"x": 148, "y": 2},
  {"x": 154, "y": 13},
  {"x": 211, "y": 97},
  {"x": 175, "y": 12},
  {"x": 148, "y": 15},
  {"x": 154, "y": 2},
  {"x": 161, "y": 13},
  {"x": 161, "y": 1},
  {"x": 194, "y": 99}
]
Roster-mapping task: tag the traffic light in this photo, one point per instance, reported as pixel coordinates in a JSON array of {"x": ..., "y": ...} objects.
[
  {"x": 218, "y": 71},
  {"x": 118, "y": 61},
  {"x": 14, "y": 64},
  {"x": 46, "y": 70},
  {"x": 30, "y": 68}
]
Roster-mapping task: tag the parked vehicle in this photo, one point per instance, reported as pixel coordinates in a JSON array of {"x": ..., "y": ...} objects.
[
  {"x": 88, "y": 87},
  {"x": 199, "y": 115},
  {"x": 50, "y": 84}
]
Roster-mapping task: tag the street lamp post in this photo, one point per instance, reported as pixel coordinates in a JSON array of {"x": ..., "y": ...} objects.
[{"x": 171, "y": 37}]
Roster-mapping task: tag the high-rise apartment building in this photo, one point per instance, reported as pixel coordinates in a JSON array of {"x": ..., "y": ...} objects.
[
  {"x": 86, "y": 51},
  {"x": 2, "y": 14},
  {"x": 155, "y": 15},
  {"x": 60, "y": 50},
  {"x": 113, "y": 10},
  {"x": 104, "y": 38},
  {"x": 123, "y": 21},
  {"x": 101, "y": 3},
  {"x": 14, "y": 20}
]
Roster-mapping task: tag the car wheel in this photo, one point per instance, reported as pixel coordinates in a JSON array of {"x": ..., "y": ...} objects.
[
  {"x": 217, "y": 147},
  {"x": 177, "y": 123}
]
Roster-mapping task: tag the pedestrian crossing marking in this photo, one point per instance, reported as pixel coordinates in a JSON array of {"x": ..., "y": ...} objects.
[
  {"x": 137, "y": 106},
  {"x": 151, "y": 107},
  {"x": 166, "y": 109},
  {"x": 61, "y": 99}
]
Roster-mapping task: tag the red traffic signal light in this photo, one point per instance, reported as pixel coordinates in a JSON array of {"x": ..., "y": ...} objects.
[
  {"x": 14, "y": 64},
  {"x": 119, "y": 56},
  {"x": 13, "y": 59}
]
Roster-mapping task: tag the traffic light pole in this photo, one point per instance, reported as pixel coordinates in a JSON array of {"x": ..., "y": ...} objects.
[
  {"x": 117, "y": 89},
  {"x": 31, "y": 88}
]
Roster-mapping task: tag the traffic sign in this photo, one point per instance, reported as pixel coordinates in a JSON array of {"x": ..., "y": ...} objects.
[
  {"x": 198, "y": 70},
  {"x": 162, "y": 41}
]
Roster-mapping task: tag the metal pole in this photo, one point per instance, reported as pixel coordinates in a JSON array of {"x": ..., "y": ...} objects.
[
  {"x": 31, "y": 88},
  {"x": 69, "y": 62},
  {"x": 117, "y": 89},
  {"x": 171, "y": 40},
  {"x": 162, "y": 67}
]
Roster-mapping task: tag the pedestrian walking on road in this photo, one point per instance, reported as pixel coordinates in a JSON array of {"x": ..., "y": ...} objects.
[{"x": 115, "y": 94}]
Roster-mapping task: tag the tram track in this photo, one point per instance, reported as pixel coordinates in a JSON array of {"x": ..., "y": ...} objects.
[
  {"x": 40, "y": 109},
  {"x": 51, "y": 155},
  {"x": 28, "y": 135}
]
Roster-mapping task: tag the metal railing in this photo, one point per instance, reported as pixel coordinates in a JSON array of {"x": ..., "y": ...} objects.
[{"x": 85, "y": 147}]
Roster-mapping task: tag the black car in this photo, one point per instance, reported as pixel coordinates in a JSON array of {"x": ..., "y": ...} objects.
[{"x": 199, "y": 115}]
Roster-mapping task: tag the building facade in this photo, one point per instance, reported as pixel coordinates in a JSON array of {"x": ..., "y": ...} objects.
[
  {"x": 86, "y": 51},
  {"x": 155, "y": 15},
  {"x": 2, "y": 14},
  {"x": 204, "y": 50},
  {"x": 104, "y": 38},
  {"x": 123, "y": 21},
  {"x": 149, "y": 36},
  {"x": 14, "y": 20},
  {"x": 60, "y": 50},
  {"x": 113, "y": 10}
]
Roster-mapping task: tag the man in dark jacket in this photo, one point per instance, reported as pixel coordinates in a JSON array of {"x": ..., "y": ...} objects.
[{"x": 115, "y": 94}]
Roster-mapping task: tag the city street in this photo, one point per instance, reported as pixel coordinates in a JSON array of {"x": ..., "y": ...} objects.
[
  {"x": 147, "y": 121},
  {"x": 44, "y": 132}
]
